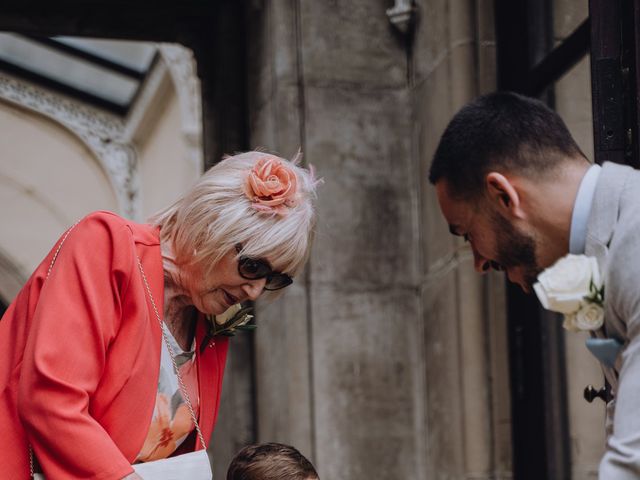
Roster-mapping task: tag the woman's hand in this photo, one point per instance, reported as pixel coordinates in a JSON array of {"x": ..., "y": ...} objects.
[{"x": 133, "y": 476}]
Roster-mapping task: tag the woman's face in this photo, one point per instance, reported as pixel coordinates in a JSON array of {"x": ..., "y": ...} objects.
[{"x": 215, "y": 293}]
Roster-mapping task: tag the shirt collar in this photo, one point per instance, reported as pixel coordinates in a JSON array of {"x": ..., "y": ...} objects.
[{"x": 582, "y": 209}]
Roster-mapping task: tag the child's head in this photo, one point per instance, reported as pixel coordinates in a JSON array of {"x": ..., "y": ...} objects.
[{"x": 270, "y": 461}]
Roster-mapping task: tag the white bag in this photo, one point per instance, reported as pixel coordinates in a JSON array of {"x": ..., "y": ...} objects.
[{"x": 189, "y": 466}]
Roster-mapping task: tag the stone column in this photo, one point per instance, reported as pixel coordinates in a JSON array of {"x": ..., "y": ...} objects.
[
  {"x": 338, "y": 358},
  {"x": 466, "y": 370},
  {"x": 283, "y": 356},
  {"x": 388, "y": 359}
]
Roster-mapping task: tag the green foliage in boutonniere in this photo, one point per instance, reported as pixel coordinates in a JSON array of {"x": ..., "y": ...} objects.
[
  {"x": 596, "y": 295},
  {"x": 235, "y": 319}
]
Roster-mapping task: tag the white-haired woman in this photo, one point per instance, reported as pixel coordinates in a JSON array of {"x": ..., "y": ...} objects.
[{"x": 106, "y": 355}]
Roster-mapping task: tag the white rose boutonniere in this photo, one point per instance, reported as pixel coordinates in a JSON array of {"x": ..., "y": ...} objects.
[{"x": 573, "y": 286}]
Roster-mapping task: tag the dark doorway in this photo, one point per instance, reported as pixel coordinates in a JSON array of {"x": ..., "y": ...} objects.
[{"x": 529, "y": 63}]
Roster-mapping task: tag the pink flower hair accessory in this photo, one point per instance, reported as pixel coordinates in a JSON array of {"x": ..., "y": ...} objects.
[{"x": 272, "y": 186}]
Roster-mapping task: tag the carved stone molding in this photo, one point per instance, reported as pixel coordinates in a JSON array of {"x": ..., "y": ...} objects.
[
  {"x": 183, "y": 70},
  {"x": 142, "y": 111},
  {"x": 108, "y": 136},
  {"x": 101, "y": 132}
]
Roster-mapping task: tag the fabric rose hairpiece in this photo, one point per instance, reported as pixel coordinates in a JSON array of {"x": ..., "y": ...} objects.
[
  {"x": 573, "y": 286},
  {"x": 272, "y": 186}
]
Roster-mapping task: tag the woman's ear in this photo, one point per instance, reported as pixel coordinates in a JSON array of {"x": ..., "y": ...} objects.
[{"x": 503, "y": 194}]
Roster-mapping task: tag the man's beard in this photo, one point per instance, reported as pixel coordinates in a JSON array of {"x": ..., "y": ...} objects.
[{"x": 515, "y": 249}]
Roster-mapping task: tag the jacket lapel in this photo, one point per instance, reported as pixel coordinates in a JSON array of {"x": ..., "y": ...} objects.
[
  {"x": 600, "y": 229},
  {"x": 211, "y": 363}
]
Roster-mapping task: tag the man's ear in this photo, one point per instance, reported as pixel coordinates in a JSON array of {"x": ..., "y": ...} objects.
[{"x": 503, "y": 194}]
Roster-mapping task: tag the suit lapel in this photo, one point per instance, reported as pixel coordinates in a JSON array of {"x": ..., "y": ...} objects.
[{"x": 600, "y": 229}]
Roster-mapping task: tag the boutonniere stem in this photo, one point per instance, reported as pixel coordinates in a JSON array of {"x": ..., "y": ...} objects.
[{"x": 235, "y": 319}]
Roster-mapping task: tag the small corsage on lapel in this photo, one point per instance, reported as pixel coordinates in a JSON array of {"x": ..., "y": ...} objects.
[
  {"x": 573, "y": 286},
  {"x": 235, "y": 318}
]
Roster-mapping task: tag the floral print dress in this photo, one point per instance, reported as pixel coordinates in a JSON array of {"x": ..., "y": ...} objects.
[{"x": 171, "y": 422}]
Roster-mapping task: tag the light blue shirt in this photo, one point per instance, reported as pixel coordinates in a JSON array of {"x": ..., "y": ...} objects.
[{"x": 582, "y": 209}]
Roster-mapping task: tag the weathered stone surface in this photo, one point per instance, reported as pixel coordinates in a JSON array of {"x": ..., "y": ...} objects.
[
  {"x": 444, "y": 419},
  {"x": 351, "y": 43},
  {"x": 275, "y": 124},
  {"x": 365, "y": 348},
  {"x": 283, "y": 373},
  {"x": 475, "y": 374},
  {"x": 365, "y": 237},
  {"x": 433, "y": 111},
  {"x": 273, "y": 61},
  {"x": 433, "y": 37},
  {"x": 235, "y": 425},
  {"x": 498, "y": 351}
]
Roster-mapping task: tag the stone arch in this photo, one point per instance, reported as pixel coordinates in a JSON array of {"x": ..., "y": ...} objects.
[
  {"x": 49, "y": 178},
  {"x": 100, "y": 132}
]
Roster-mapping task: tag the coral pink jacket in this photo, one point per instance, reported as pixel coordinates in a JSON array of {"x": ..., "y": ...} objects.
[{"x": 80, "y": 354}]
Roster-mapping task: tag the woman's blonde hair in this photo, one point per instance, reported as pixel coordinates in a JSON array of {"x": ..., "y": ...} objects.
[{"x": 215, "y": 215}]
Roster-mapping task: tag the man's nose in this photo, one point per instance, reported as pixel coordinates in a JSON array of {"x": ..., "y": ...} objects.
[
  {"x": 480, "y": 263},
  {"x": 254, "y": 288}
]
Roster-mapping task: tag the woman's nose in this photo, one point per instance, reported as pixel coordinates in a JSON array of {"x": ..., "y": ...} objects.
[{"x": 254, "y": 288}]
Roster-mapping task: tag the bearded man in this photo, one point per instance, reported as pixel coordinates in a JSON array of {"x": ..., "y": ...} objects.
[{"x": 512, "y": 181}]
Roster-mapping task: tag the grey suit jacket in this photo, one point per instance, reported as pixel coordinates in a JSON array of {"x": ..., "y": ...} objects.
[{"x": 613, "y": 237}]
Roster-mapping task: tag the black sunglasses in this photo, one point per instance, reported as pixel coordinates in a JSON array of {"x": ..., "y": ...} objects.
[{"x": 254, "y": 269}]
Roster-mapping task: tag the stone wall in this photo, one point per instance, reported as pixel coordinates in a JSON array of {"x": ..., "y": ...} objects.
[
  {"x": 467, "y": 423},
  {"x": 387, "y": 358}
]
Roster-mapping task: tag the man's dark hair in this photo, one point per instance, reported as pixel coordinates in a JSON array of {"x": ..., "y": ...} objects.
[
  {"x": 270, "y": 461},
  {"x": 501, "y": 131}
]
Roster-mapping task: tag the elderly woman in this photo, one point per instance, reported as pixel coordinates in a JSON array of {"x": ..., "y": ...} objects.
[{"x": 88, "y": 347}]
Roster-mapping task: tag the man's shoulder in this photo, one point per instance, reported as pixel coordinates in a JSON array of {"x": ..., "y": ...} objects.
[
  {"x": 628, "y": 222},
  {"x": 619, "y": 192},
  {"x": 615, "y": 174},
  {"x": 623, "y": 251}
]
